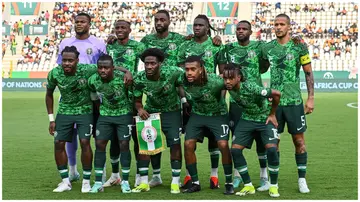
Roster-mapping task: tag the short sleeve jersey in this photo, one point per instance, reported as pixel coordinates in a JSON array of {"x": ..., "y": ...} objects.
[
  {"x": 252, "y": 98},
  {"x": 161, "y": 95},
  {"x": 74, "y": 90},
  {"x": 126, "y": 56},
  {"x": 285, "y": 63},
  {"x": 206, "y": 100},
  {"x": 248, "y": 57},
  {"x": 207, "y": 50},
  {"x": 169, "y": 45},
  {"x": 114, "y": 94}
]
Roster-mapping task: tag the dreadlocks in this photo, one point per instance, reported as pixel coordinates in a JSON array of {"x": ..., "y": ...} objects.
[
  {"x": 232, "y": 70},
  {"x": 204, "y": 17}
]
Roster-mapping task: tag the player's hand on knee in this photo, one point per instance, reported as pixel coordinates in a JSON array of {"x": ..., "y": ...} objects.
[
  {"x": 272, "y": 119},
  {"x": 143, "y": 114},
  {"x": 52, "y": 128}
]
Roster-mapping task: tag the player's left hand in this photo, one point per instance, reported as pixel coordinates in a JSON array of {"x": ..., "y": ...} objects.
[
  {"x": 52, "y": 128},
  {"x": 309, "y": 106},
  {"x": 128, "y": 79},
  {"x": 272, "y": 118},
  {"x": 189, "y": 37},
  {"x": 217, "y": 40}
]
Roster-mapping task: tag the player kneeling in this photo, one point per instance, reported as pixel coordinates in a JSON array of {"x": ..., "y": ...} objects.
[
  {"x": 255, "y": 118},
  {"x": 115, "y": 114}
]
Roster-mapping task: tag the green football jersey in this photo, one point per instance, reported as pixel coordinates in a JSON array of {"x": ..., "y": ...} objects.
[
  {"x": 161, "y": 95},
  {"x": 285, "y": 63},
  {"x": 126, "y": 56},
  {"x": 206, "y": 100},
  {"x": 252, "y": 98},
  {"x": 75, "y": 93},
  {"x": 207, "y": 50},
  {"x": 113, "y": 94},
  {"x": 169, "y": 45},
  {"x": 247, "y": 57}
]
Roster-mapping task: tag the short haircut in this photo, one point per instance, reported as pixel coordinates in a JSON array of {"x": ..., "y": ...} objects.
[
  {"x": 159, "y": 54},
  {"x": 70, "y": 49},
  {"x": 204, "y": 17},
  {"x": 84, "y": 14},
  {"x": 195, "y": 58},
  {"x": 106, "y": 57},
  {"x": 283, "y": 15},
  {"x": 123, "y": 20},
  {"x": 203, "y": 76},
  {"x": 164, "y": 12},
  {"x": 231, "y": 70},
  {"x": 246, "y": 22}
]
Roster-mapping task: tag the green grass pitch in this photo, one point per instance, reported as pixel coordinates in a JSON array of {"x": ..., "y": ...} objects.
[{"x": 29, "y": 170}]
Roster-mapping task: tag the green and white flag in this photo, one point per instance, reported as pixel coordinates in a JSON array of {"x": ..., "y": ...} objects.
[{"x": 150, "y": 135}]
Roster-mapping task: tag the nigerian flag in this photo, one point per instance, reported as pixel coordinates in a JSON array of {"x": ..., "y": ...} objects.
[{"x": 150, "y": 135}]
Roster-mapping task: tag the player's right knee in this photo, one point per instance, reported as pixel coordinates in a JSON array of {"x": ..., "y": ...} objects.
[{"x": 272, "y": 156}]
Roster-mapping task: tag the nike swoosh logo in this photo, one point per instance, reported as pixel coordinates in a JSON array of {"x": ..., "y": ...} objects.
[
  {"x": 87, "y": 135},
  {"x": 223, "y": 135},
  {"x": 272, "y": 138},
  {"x": 299, "y": 128},
  {"x": 176, "y": 139},
  {"x": 126, "y": 136}
]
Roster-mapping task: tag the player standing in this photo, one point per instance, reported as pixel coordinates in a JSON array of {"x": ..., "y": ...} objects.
[
  {"x": 286, "y": 59},
  {"x": 159, "y": 83},
  {"x": 90, "y": 49},
  {"x": 169, "y": 43},
  {"x": 74, "y": 108},
  {"x": 255, "y": 117},
  {"x": 248, "y": 55},
  {"x": 115, "y": 119},
  {"x": 125, "y": 53},
  {"x": 202, "y": 45},
  {"x": 206, "y": 97}
]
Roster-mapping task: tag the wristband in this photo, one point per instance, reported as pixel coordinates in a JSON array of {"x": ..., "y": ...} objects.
[
  {"x": 183, "y": 100},
  {"x": 51, "y": 118}
]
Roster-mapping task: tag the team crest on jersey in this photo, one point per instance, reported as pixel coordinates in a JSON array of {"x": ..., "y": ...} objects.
[
  {"x": 97, "y": 132},
  {"x": 289, "y": 57},
  {"x": 89, "y": 51},
  {"x": 167, "y": 87},
  {"x": 208, "y": 53},
  {"x": 172, "y": 46},
  {"x": 129, "y": 51},
  {"x": 232, "y": 58},
  {"x": 251, "y": 54},
  {"x": 206, "y": 96},
  {"x": 82, "y": 82}
]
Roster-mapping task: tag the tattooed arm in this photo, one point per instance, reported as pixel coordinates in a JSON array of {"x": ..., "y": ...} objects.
[{"x": 309, "y": 77}]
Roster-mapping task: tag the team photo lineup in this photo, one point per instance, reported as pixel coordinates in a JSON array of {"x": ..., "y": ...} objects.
[
  {"x": 135, "y": 102},
  {"x": 180, "y": 73}
]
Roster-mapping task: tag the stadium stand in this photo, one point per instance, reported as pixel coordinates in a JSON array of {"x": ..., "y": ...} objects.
[{"x": 329, "y": 29}]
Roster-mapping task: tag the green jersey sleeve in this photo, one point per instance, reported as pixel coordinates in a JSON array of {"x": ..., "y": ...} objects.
[
  {"x": 51, "y": 81},
  {"x": 138, "y": 86}
]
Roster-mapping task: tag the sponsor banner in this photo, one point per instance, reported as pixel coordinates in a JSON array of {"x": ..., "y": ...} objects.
[
  {"x": 6, "y": 30},
  {"x": 35, "y": 29},
  {"x": 24, "y": 84},
  {"x": 327, "y": 85}
]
